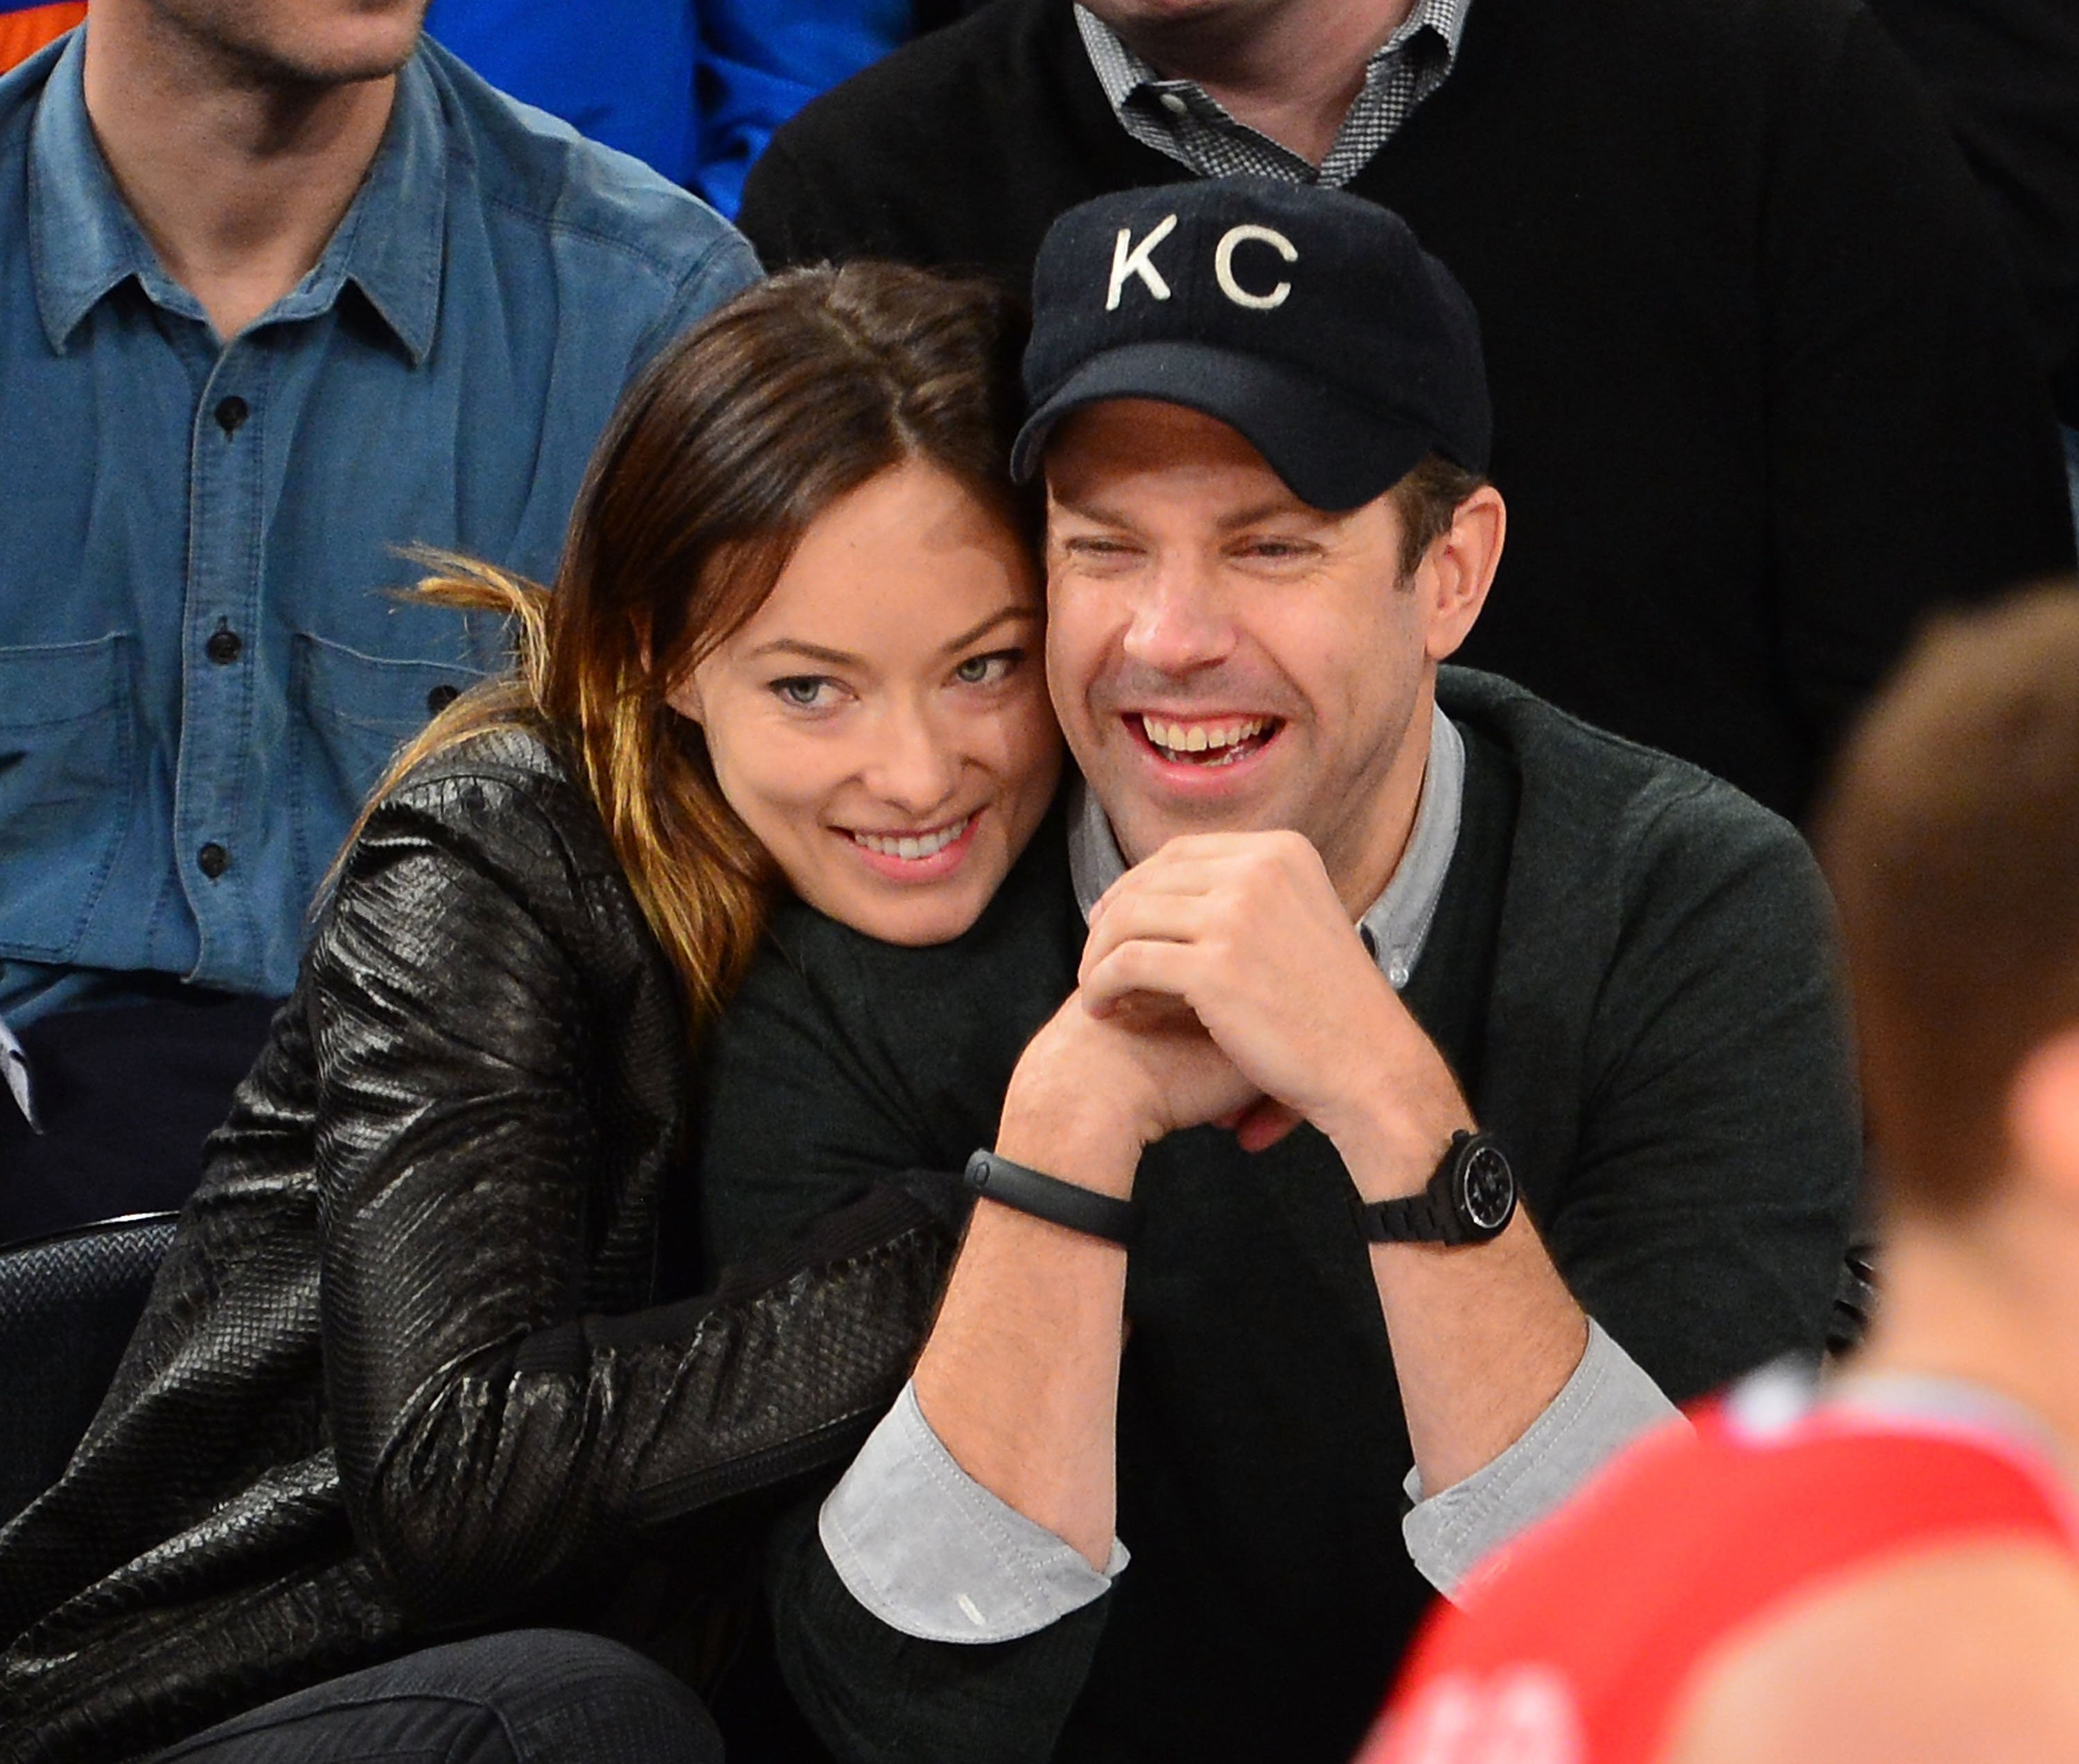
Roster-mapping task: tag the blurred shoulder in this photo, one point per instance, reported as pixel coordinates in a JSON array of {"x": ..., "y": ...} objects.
[{"x": 1948, "y": 1657}]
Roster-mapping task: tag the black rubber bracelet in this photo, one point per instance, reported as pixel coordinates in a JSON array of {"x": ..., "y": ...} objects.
[{"x": 1049, "y": 1198}]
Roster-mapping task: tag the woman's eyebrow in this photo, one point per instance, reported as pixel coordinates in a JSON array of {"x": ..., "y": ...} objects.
[
  {"x": 844, "y": 658},
  {"x": 792, "y": 646},
  {"x": 1004, "y": 615}
]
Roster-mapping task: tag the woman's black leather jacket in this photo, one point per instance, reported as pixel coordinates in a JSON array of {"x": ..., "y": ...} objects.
[{"x": 395, "y": 1380}]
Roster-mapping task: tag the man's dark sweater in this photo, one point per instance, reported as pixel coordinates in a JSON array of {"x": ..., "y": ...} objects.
[
  {"x": 1760, "y": 394},
  {"x": 1630, "y": 972}
]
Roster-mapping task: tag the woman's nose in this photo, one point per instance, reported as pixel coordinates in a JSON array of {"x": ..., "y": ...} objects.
[{"x": 913, "y": 767}]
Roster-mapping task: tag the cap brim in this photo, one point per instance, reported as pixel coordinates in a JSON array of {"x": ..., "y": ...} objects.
[{"x": 1331, "y": 452}]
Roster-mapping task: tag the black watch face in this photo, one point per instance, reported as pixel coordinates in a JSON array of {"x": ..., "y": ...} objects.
[{"x": 1487, "y": 1189}]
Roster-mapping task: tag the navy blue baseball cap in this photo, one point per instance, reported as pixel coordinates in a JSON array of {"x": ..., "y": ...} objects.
[{"x": 1310, "y": 319}]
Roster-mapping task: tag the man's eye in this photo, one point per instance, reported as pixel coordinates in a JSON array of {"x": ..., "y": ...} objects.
[
  {"x": 804, "y": 692},
  {"x": 987, "y": 670}
]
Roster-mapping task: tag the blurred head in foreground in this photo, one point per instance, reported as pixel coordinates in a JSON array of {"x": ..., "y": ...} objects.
[
  {"x": 1884, "y": 1566},
  {"x": 1951, "y": 840}
]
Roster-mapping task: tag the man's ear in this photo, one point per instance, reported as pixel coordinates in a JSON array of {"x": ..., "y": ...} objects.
[
  {"x": 1454, "y": 576},
  {"x": 2043, "y": 1117}
]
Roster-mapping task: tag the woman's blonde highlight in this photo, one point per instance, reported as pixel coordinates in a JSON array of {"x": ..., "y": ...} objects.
[{"x": 720, "y": 455}]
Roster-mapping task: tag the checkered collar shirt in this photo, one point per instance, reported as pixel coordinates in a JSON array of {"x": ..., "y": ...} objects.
[{"x": 1181, "y": 119}]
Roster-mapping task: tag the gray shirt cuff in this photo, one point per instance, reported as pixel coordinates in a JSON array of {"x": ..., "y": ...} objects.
[
  {"x": 930, "y": 1551},
  {"x": 1608, "y": 1402}
]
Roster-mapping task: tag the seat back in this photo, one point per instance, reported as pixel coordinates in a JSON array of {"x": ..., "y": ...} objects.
[{"x": 67, "y": 1305}]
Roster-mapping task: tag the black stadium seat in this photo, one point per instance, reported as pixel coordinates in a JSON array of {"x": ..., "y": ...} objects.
[{"x": 67, "y": 1305}]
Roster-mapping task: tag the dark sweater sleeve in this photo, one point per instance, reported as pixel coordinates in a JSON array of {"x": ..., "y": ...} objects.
[
  {"x": 804, "y": 1113},
  {"x": 1914, "y": 455},
  {"x": 1710, "y": 1197}
]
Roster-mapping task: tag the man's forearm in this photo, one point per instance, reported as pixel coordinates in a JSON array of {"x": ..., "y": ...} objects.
[
  {"x": 1019, "y": 1379},
  {"x": 1484, "y": 1335}
]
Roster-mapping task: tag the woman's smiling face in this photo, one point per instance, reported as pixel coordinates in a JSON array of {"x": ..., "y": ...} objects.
[{"x": 881, "y": 723}]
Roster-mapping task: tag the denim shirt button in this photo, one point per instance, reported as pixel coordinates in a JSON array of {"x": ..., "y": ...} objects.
[
  {"x": 212, "y": 860},
  {"x": 231, "y": 412},
  {"x": 441, "y": 698},
  {"x": 224, "y": 645}
]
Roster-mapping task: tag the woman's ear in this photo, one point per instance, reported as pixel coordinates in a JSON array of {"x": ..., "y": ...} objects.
[{"x": 685, "y": 697}]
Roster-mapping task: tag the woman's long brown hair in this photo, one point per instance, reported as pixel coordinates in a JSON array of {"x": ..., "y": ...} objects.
[{"x": 741, "y": 433}]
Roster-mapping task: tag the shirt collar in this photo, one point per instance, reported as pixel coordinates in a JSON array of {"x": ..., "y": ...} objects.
[
  {"x": 84, "y": 241},
  {"x": 1124, "y": 75},
  {"x": 1396, "y": 925}
]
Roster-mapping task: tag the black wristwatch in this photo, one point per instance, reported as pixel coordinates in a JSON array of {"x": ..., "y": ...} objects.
[{"x": 1469, "y": 1200}]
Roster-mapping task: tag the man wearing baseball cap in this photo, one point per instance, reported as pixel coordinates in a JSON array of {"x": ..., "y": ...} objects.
[{"x": 1249, "y": 1333}]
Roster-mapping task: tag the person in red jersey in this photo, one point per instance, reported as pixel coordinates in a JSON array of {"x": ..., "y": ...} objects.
[{"x": 1885, "y": 1566}]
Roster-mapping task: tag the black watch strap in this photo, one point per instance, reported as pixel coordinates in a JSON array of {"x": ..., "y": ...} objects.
[
  {"x": 1049, "y": 1198},
  {"x": 1411, "y": 1218}
]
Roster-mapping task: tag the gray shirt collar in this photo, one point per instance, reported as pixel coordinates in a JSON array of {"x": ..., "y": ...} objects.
[
  {"x": 1179, "y": 118},
  {"x": 1396, "y": 925}
]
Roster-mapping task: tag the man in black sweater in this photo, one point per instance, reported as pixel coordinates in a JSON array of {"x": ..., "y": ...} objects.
[
  {"x": 1762, "y": 393},
  {"x": 1391, "y": 939}
]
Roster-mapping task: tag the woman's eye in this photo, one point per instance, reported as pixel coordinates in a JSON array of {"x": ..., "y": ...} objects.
[
  {"x": 987, "y": 670},
  {"x": 804, "y": 692}
]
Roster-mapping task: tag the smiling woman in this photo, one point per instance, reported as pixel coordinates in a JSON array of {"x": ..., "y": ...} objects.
[
  {"x": 881, "y": 723},
  {"x": 428, "y": 1352}
]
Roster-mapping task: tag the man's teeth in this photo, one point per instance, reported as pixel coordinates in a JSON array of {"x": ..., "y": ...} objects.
[
  {"x": 1174, "y": 738},
  {"x": 913, "y": 845}
]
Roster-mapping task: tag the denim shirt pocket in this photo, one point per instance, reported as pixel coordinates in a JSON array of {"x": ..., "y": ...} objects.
[
  {"x": 66, "y": 790},
  {"x": 350, "y": 714}
]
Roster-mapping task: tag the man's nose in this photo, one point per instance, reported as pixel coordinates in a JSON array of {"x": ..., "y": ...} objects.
[
  {"x": 1180, "y": 621},
  {"x": 912, "y": 766}
]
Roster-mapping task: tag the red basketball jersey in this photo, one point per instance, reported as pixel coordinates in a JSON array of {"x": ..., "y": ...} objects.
[{"x": 1576, "y": 1645}]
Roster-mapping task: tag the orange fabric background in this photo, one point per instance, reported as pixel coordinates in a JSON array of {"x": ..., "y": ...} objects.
[{"x": 22, "y": 33}]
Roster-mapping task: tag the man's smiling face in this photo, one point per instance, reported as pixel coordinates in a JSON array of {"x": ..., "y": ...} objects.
[{"x": 1224, "y": 656}]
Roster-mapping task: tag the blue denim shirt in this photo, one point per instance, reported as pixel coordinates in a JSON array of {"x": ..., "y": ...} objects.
[{"x": 202, "y": 671}]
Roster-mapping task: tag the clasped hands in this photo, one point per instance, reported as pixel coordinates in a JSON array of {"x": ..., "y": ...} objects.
[{"x": 1223, "y": 982}]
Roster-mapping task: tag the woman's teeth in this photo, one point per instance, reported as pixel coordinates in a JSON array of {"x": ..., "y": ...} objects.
[
  {"x": 913, "y": 845},
  {"x": 1178, "y": 740}
]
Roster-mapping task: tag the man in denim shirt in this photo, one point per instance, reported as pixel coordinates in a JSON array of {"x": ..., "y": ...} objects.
[{"x": 282, "y": 288}]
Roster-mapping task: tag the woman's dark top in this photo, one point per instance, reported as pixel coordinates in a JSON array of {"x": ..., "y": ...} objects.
[{"x": 395, "y": 1381}]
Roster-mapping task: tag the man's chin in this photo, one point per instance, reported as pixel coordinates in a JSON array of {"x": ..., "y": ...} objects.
[
  {"x": 1144, "y": 826},
  {"x": 350, "y": 52}
]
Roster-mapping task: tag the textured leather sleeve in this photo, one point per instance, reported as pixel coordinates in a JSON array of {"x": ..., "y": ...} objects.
[{"x": 494, "y": 1432}]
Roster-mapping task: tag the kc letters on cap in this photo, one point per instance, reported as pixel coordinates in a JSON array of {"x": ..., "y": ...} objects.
[
  {"x": 1129, "y": 259},
  {"x": 1309, "y": 320}
]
